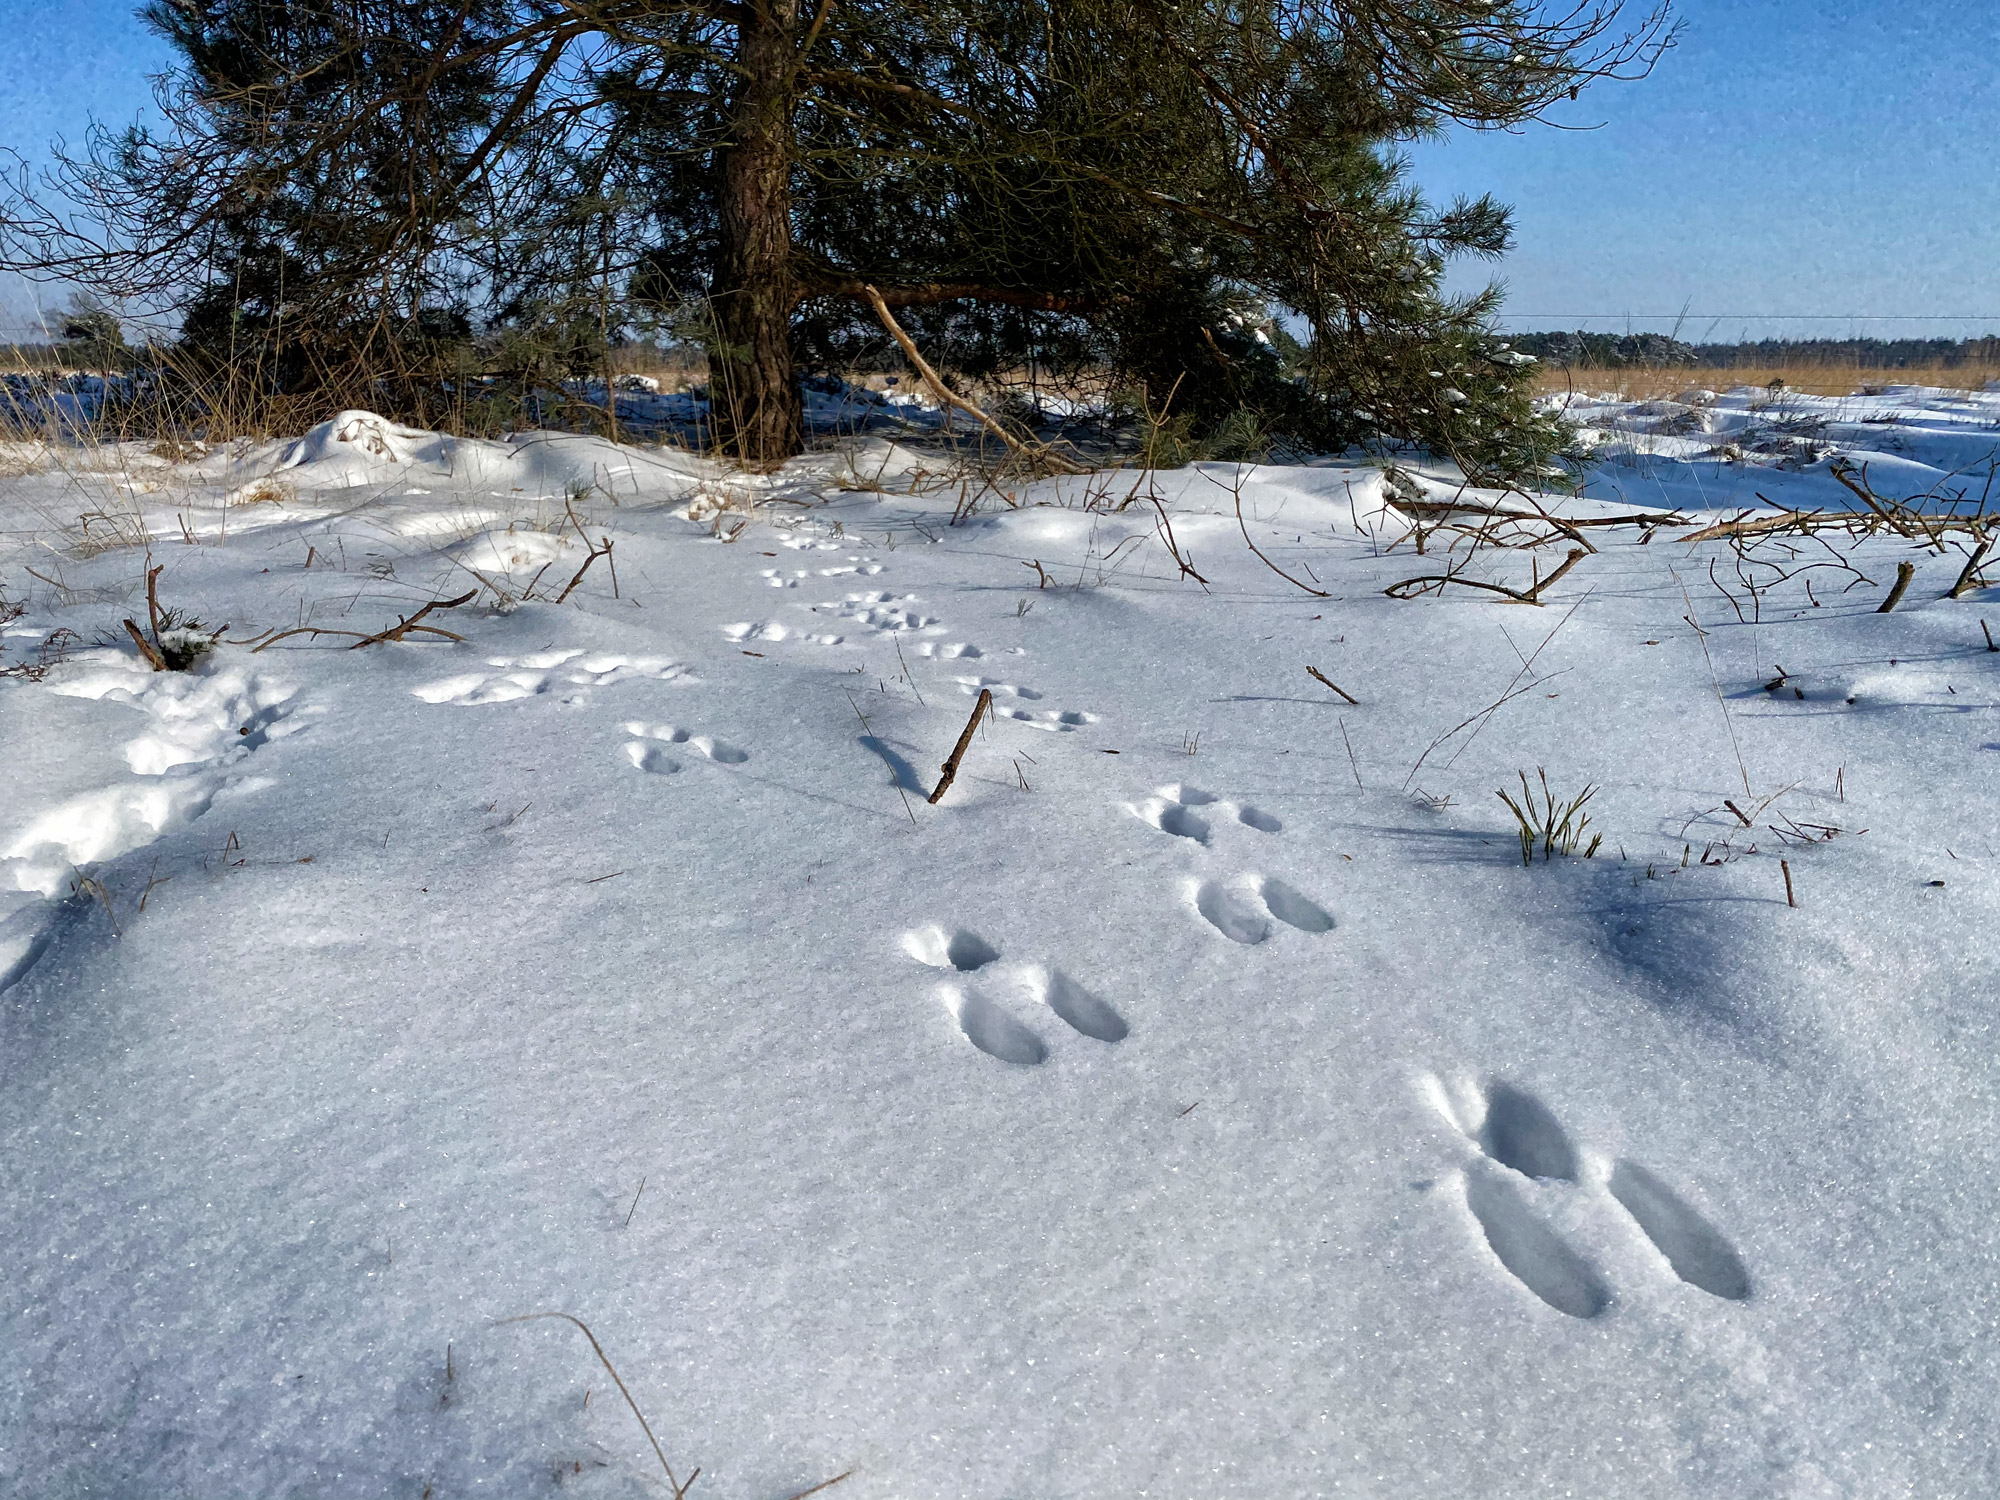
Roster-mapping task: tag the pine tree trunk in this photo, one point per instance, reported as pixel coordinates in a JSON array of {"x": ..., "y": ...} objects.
[{"x": 758, "y": 414}]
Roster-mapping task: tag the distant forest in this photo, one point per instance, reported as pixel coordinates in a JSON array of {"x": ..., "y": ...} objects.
[{"x": 1611, "y": 351}]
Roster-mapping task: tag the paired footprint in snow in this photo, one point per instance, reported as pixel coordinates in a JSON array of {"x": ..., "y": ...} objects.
[
  {"x": 1242, "y": 909},
  {"x": 1238, "y": 908},
  {"x": 992, "y": 1026},
  {"x": 1519, "y": 1139},
  {"x": 648, "y": 748},
  {"x": 780, "y": 578},
  {"x": 1172, "y": 810},
  {"x": 771, "y": 630},
  {"x": 883, "y": 612},
  {"x": 536, "y": 673},
  {"x": 1055, "y": 720},
  {"x": 877, "y": 612}
]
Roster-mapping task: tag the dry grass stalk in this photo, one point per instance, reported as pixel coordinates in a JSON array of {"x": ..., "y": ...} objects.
[{"x": 678, "y": 1487}]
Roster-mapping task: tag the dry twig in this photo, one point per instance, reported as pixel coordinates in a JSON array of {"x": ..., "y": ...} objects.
[
  {"x": 1038, "y": 454},
  {"x": 950, "y": 767},
  {"x": 1315, "y": 672},
  {"x": 1412, "y": 588},
  {"x": 394, "y": 633}
]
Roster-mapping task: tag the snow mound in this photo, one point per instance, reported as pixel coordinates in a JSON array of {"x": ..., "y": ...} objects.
[{"x": 364, "y": 438}]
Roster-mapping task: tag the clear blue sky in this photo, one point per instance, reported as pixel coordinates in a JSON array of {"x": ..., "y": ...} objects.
[{"x": 1795, "y": 157}]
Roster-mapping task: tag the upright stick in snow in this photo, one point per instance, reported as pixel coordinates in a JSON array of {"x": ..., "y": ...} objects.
[{"x": 950, "y": 767}]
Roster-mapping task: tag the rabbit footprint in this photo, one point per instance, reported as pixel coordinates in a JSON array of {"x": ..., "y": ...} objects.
[
  {"x": 652, "y": 757},
  {"x": 1521, "y": 1135},
  {"x": 978, "y": 1008},
  {"x": 1234, "y": 910},
  {"x": 1170, "y": 809}
]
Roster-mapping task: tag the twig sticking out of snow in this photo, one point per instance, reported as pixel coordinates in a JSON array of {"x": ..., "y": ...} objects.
[
  {"x": 394, "y": 633},
  {"x": 1905, "y": 571},
  {"x": 1434, "y": 583},
  {"x": 950, "y": 767},
  {"x": 1329, "y": 682}
]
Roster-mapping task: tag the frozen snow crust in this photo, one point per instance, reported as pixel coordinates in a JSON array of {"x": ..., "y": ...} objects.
[{"x": 1202, "y": 1100}]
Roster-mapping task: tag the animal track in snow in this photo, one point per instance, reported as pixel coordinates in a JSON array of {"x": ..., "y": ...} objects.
[
  {"x": 771, "y": 630},
  {"x": 991, "y": 1029},
  {"x": 1293, "y": 909},
  {"x": 1521, "y": 1132},
  {"x": 1535, "y": 1254},
  {"x": 1234, "y": 913},
  {"x": 779, "y": 578},
  {"x": 757, "y": 630},
  {"x": 1076, "y": 1005},
  {"x": 720, "y": 751},
  {"x": 878, "y": 612},
  {"x": 1174, "y": 817},
  {"x": 1698, "y": 1253},
  {"x": 1229, "y": 914},
  {"x": 651, "y": 758},
  {"x": 1167, "y": 810},
  {"x": 1522, "y": 1135},
  {"x": 973, "y": 686},
  {"x": 949, "y": 650},
  {"x": 534, "y": 674},
  {"x": 1056, "y": 721},
  {"x": 961, "y": 949},
  {"x": 987, "y": 1023}
]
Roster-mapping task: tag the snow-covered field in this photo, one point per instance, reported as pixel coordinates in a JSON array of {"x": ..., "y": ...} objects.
[
  {"x": 1200, "y": 1100},
  {"x": 1751, "y": 446}
]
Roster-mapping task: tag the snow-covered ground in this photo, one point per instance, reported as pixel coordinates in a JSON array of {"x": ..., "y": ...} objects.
[
  {"x": 1751, "y": 445},
  {"x": 1200, "y": 1100}
]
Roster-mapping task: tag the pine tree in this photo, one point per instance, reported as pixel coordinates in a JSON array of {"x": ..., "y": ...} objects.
[{"x": 1148, "y": 185}]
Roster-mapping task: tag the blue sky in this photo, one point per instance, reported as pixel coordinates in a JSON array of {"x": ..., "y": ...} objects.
[{"x": 1834, "y": 158}]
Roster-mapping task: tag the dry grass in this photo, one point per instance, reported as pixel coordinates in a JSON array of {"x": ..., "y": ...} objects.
[{"x": 1812, "y": 379}]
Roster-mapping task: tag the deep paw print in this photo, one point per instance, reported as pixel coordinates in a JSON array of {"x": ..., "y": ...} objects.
[
  {"x": 1522, "y": 1142},
  {"x": 980, "y": 1007},
  {"x": 648, "y": 749},
  {"x": 1243, "y": 909},
  {"x": 539, "y": 672},
  {"x": 950, "y": 650},
  {"x": 1171, "y": 810}
]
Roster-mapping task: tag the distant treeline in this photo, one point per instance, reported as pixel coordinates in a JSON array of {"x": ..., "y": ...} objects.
[{"x": 1611, "y": 351}]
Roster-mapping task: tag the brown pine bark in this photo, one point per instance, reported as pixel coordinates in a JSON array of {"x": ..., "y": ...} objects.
[{"x": 759, "y": 418}]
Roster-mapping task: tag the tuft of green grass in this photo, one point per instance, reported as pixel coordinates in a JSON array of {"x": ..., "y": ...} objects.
[{"x": 1555, "y": 825}]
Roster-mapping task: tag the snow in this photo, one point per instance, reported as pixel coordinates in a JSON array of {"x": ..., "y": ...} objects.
[
  {"x": 1755, "y": 445},
  {"x": 1201, "y": 1099}
]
